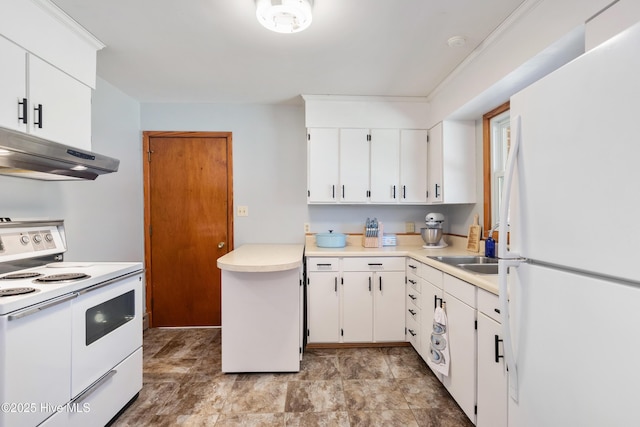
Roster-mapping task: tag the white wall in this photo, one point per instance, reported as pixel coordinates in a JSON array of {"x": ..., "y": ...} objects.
[
  {"x": 269, "y": 162},
  {"x": 103, "y": 218}
]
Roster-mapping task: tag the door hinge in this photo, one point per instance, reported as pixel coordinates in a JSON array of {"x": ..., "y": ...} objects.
[
  {"x": 427, "y": 138},
  {"x": 308, "y": 193},
  {"x": 308, "y": 137},
  {"x": 341, "y": 332},
  {"x": 308, "y": 332},
  {"x": 300, "y": 350}
]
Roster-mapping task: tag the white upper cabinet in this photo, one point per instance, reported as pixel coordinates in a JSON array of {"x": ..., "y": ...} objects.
[
  {"x": 59, "y": 105},
  {"x": 13, "y": 87},
  {"x": 385, "y": 166},
  {"x": 413, "y": 166},
  {"x": 451, "y": 167},
  {"x": 354, "y": 165},
  {"x": 322, "y": 165},
  {"x": 45, "y": 90}
]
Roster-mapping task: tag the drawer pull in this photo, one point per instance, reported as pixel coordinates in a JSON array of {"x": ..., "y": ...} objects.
[
  {"x": 497, "y": 310},
  {"x": 323, "y": 265},
  {"x": 413, "y": 313},
  {"x": 369, "y": 284},
  {"x": 413, "y": 297},
  {"x": 413, "y": 282},
  {"x": 497, "y": 349},
  {"x": 413, "y": 334},
  {"x": 413, "y": 266},
  {"x": 375, "y": 264}
]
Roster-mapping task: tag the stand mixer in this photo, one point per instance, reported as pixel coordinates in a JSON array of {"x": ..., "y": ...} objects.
[{"x": 432, "y": 233}]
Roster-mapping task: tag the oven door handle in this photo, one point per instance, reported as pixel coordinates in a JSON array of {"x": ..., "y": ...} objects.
[
  {"x": 108, "y": 282},
  {"x": 38, "y": 308},
  {"x": 93, "y": 387}
]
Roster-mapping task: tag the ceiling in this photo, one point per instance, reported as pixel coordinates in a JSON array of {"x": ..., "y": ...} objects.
[{"x": 215, "y": 51}]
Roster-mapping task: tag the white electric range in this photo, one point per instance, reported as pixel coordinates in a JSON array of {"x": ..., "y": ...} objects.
[{"x": 70, "y": 332}]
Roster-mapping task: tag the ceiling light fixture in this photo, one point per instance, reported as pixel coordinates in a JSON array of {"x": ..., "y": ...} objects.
[{"x": 284, "y": 16}]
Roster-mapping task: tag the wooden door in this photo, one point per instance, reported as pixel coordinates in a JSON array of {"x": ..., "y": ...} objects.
[{"x": 188, "y": 216}]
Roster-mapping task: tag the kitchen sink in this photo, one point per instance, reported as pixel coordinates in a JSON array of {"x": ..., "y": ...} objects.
[
  {"x": 464, "y": 259},
  {"x": 480, "y": 268},
  {"x": 475, "y": 264}
]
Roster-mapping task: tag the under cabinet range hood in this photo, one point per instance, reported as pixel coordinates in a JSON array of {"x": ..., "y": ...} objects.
[{"x": 28, "y": 156}]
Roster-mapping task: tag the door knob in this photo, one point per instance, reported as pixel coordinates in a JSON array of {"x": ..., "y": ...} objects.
[{"x": 220, "y": 245}]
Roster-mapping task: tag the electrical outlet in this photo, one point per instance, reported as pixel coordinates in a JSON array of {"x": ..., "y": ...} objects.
[
  {"x": 410, "y": 227},
  {"x": 307, "y": 227},
  {"x": 243, "y": 211}
]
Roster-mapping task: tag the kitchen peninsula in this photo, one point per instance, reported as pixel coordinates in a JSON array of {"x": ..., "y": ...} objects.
[{"x": 262, "y": 308}]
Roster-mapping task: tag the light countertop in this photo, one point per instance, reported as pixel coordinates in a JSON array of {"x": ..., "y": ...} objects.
[
  {"x": 257, "y": 258},
  {"x": 411, "y": 246}
]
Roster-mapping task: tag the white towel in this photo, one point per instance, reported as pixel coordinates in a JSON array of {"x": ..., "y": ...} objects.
[{"x": 439, "y": 348}]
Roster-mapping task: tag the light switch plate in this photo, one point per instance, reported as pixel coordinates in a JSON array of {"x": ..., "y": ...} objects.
[
  {"x": 410, "y": 227},
  {"x": 243, "y": 211}
]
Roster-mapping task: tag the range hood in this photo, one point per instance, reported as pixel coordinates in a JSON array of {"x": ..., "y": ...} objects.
[{"x": 27, "y": 156}]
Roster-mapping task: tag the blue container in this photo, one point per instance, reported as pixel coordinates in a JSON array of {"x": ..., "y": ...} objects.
[{"x": 490, "y": 247}]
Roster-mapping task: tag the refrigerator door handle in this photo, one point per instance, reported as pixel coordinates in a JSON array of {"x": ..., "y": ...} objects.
[{"x": 508, "y": 259}]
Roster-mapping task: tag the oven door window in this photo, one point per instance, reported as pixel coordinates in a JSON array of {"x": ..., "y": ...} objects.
[{"x": 109, "y": 316}]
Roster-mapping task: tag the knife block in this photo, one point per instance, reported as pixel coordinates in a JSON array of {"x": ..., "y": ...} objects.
[{"x": 372, "y": 242}]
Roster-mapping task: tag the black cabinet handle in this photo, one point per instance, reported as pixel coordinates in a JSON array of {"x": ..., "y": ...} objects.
[
  {"x": 394, "y": 191},
  {"x": 373, "y": 264},
  {"x": 497, "y": 341},
  {"x": 435, "y": 302},
  {"x": 404, "y": 191},
  {"x": 413, "y": 313},
  {"x": 335, "y": 284},
  {"x": 413, "y": 334},
  {"x": 496, "y": 310},
  {"x": 437, "y": 193},
  {"x": 38, "y": 121},
  {"x": 343, "y": 191},
  {"x": 23, "y": 103},
  {"x": 413, "y": 266},
  {"x": 369, "y": 284},
  {"x": 333, "y": 191},
  {"x": 413, "y": 297},
  {"x": 413, "y": 282},
  {"x": 380, "y": 283}
]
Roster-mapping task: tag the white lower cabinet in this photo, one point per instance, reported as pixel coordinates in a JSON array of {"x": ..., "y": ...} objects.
[
  {"x": 323, "y": 309},
  {"x": 492, "y": 373},
  {"x": 460, "y": 306},
  {"x": 355, "y": 299}
]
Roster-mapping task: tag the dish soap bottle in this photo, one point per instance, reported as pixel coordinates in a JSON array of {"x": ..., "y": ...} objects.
[{"x": 490, "y": 247}]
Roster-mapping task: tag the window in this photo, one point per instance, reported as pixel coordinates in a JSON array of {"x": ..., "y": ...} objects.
[{"x": 496, "y": 135}]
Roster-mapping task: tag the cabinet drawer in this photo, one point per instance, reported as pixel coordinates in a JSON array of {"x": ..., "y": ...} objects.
[
  {"x": 413, "y": 266},
  {"x": 373, "y": 264},
  {"x": 413, "y": 311},
  {"x": 413, "y": 333},
  {"x": 432, "y": 275},
  {"x": 460, "y": 289},
  {"x": 323, "y": 264},
  {"x": 414, "y": 298},
  {"x": 488, "y": 304},
  {"x": 414, "y": 283}
]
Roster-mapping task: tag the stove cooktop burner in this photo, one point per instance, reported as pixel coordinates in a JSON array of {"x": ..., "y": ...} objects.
[
  {"x": 15, "y": 291},
  {"x": 16, "y": 276},
  {"x": 65, "y": 277}
]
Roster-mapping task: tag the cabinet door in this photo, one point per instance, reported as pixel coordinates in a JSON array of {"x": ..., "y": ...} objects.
[
  {"x": 492, "y": 375},
  {"x": 60, "y": 106},
  {"x": 357, "y": 306},
  {"x": 323, "y": 315},
  {"x": 413, "y": 166},
  {"x": 434, "y": 165},
  {"x": 322, "y": 167},
  {"x": 389, "y": 306},
  {"x": 431, "y": 295},
  {"x": 354, "y": 165},
  {"x": 461, "y": 381},
  {"x": 13, "y": 89},
  {"x": 385, "y": 165}
]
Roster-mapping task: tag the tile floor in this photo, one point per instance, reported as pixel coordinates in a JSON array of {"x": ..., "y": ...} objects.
[{"x": 183, "y": 386}]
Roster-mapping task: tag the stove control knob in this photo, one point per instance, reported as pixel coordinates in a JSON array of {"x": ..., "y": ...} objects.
[
  {"x": 48, "y": 237},
  {"x": 37, "y": 238},
  {"x": 24, "y": 240}
]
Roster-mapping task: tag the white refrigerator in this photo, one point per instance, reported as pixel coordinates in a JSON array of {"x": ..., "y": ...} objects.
[{"x": 572, "y": 202}]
